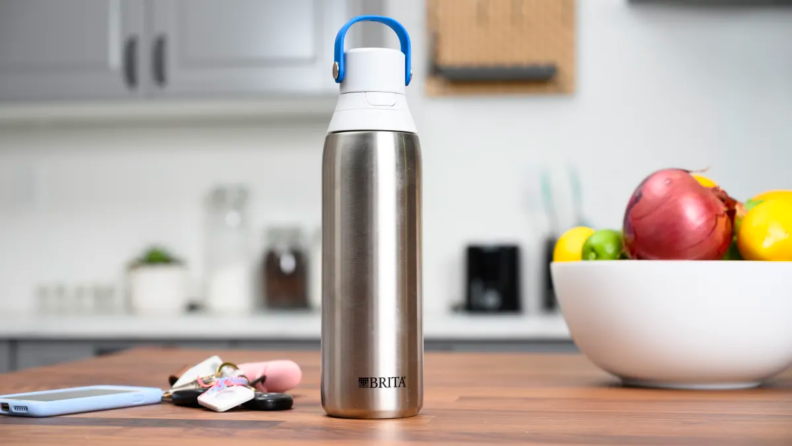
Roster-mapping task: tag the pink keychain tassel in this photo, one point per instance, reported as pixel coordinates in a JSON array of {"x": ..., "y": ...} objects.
[{"x": 273, "y": 376}]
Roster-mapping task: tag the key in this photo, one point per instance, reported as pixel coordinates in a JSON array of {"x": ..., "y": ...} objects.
[
  {"x": 187, "y": 394},
  {"x": 270, "y": 401},
  {"x": 201, "y": 382},
  {"x": 223, "y": 370},
  {"x": 206, "y": 367}
]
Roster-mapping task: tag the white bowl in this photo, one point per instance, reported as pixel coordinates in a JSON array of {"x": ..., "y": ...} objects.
[{"x": 680, "y": 324}]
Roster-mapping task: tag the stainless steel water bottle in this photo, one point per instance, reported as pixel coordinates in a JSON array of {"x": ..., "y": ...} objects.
[{"x": 372, "y": 332}]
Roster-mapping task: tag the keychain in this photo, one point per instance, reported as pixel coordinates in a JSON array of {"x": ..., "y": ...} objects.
[
  {"x": 226, "y": 393},
  {"x": 226, "y": 388},
  {"x": 262, "y": 401},
  {"x": 204, "y": 368},
  {"x": 199, "y": 382}
]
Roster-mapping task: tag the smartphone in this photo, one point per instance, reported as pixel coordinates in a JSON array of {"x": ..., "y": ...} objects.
[{"x": 75, "y": 400}]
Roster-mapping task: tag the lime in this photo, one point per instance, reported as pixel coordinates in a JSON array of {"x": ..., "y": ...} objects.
[
  {"x": 605, "y": 244},
  {"x": 734, "y": 252}
]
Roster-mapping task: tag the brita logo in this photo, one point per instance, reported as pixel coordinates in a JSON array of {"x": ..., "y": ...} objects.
[{"x": 381, "y": 382}]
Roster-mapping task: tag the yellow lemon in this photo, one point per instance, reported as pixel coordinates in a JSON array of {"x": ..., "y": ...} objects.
[
  {"x": 704, "y": 181},
  {"x": 569, "y": 247},
  {"x": 773, "y": 194},
  {"x": 766, "y": 231}
]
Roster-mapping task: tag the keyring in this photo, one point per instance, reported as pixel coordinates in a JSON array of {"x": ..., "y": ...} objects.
[
  {"x": 226, "y": 364},
  {"x": 260, "y": 380}
]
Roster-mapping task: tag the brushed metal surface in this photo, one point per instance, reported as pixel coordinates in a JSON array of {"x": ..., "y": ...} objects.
[{"x": 371, "y": 275}]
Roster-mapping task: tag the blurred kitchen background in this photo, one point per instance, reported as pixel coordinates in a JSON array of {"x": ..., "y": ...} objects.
[{"x": 156, "y": 154}]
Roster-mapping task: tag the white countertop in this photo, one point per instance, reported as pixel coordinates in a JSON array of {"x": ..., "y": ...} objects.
[{"x": 295, "y": 326}]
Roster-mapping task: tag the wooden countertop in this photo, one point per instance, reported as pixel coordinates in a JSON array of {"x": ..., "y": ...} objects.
[{"x": 470, "y": 398}]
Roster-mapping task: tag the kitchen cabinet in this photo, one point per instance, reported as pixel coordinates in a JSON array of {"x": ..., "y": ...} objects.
[
  {"x": 80, "y": 49},
  {"x": 5, "y": 357},
  {"x": 44, "y": 352},
  {"x": 211, "y": 47},
  {"x": 41, "y": 353},
  {"x": 129, "y": 49}
]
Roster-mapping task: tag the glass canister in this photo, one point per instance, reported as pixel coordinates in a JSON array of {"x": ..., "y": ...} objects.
[
  {"x": 229, "y": 278},
  {"x": 285, "y": 271}
]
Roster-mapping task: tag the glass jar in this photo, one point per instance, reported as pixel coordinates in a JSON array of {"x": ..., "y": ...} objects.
[
  {"x": 229, "y": 280},
  {"x": 285, "y": 269}
]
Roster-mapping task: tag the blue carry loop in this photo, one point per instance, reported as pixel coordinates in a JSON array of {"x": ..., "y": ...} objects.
[{"x": 404, "y": 40}]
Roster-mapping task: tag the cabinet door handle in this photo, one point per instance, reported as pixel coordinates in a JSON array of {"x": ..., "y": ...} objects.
[
  {"x": 158, "y": 64},
  {"x": 130, "y": 62}
]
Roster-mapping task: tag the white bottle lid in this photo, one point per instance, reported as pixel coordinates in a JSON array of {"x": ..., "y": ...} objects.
[
  {"x": 373, "y": 69},
  {"x": 373, "y": 84}
]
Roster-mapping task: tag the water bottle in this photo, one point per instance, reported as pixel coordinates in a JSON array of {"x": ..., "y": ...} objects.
[{"x": 372, "y": 332}]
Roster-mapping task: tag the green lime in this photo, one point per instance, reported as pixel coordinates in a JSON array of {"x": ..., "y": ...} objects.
[
  {"x": 605, "y": 244},
  {"x": 733, "y": 253}
]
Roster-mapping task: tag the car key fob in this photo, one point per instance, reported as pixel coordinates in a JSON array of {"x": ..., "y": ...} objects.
[
  {"x": 270, "y": 401},
  {"x": 187, "y": 397}
]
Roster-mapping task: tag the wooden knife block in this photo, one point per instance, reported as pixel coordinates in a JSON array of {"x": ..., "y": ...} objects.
[{"x": 466, "y": 33}]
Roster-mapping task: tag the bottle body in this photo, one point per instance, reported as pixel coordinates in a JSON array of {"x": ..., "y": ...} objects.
[{"x": 372, "y": 328}]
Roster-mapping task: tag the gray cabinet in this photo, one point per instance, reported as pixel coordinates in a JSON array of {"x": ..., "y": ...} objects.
[
  {"x": 76, "y": 49},
  {"x": 5, "y": 357},
  {"x": 131, "y": 49},
  {"x": 39, "y": 354},
  {"x": 211, "y": 47}
]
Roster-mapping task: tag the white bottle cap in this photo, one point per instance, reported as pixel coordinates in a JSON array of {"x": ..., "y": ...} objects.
[
  {"x": 373, "y": 69},
  {"x": 373, "y": 93}
]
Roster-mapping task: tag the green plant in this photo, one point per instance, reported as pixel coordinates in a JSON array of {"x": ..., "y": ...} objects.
[{"x": 155, "y": 256}]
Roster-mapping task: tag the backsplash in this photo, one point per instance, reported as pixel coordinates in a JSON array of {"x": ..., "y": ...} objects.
[
  {"x": 658, "y": 86},
  {"x": 80, "y": 203}
]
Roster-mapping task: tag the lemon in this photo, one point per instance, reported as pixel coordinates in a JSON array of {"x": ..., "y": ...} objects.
[
  {"x": 704, "y": 181},
  {"x": 766, "y": 231},
  {"x": 773, "y": 194},
  {"x": 569, "y": 247}
]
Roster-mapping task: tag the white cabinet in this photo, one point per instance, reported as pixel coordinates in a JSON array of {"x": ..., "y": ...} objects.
[
  {"x": 211, "y": 47},
  {"x": 76, "y": 49}
]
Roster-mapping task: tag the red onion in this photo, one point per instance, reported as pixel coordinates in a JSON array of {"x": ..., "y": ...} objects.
[{"x": 671, "y": 216}]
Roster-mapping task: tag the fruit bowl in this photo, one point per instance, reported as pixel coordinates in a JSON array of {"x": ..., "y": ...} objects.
[{"x": 680, "y": 324}]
